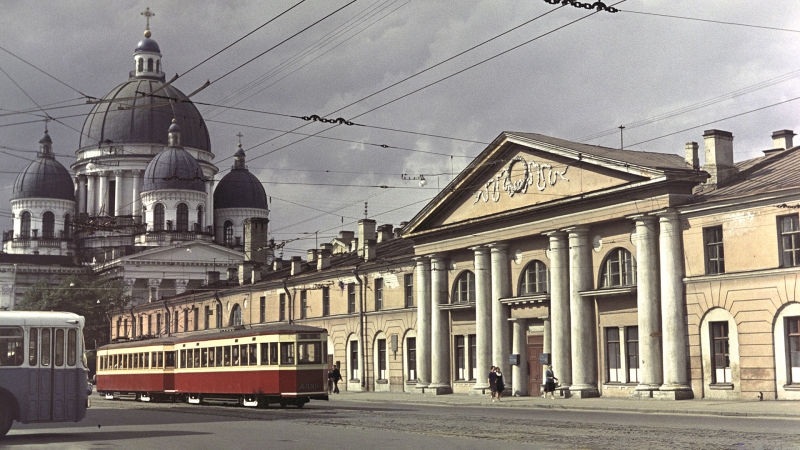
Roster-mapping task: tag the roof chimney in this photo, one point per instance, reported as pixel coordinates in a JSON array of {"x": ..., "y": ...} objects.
[
  {"x": 366, "y": 232},
  {"x": 692, "y": 158},
  {"x": 719, "y": 156},
  {"x": 277, "y": 264},
  {"x": 297, "y": 265},
  {"x": 324, "y": 256},
  {"x": 385, "y": 233},
  {"x": 212, "y": 276},
  {"x": 369, "y": 250},
  {"x": 245, "y": 272},
  {"x": 782, "y": 139},
  {"x": 312, "y": 255}
]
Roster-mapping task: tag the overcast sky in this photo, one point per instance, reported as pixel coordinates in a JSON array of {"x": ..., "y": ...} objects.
[{"x": 577, "y": 82}]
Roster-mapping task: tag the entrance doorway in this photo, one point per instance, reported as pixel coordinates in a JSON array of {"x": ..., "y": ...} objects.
[{"x": 535, "y": 348}]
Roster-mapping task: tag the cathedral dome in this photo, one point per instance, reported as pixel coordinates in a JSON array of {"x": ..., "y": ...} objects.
[
  {"x": 239, "y": 188},
  {"x": 128, "y": 116},
  {"x": 173, "y": 168},
  {"x": 44, "y": 177}
]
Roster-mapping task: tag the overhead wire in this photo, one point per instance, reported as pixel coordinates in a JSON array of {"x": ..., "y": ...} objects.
[
  {"x": 709, "y": 21},
  {"x": 42, "y": 71}
]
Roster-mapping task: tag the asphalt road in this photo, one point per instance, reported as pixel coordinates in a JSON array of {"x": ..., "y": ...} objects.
[{"x": 351, "y": 425}]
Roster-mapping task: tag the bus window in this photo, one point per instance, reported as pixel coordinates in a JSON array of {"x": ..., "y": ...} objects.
[
  {"x": 253, "y": 355},
  {"x": 243, "y": 352},
  {"x": 169, "y": 359},
  {"x": 33, "y": 347},
  {"x": 235, "y": 355},
  {"x": 226, "y": 355},
  {"x": 58, "y": 346},
  {"x": 45, "y": 355},
  {"x": 273, "y": 353},
  {"x": 264, "y": 353},
  {"x": 287, "y": 352},
  {"x": 204, "y": 357},
  {"x": 309, "y": 353},
  {"x": 12, "y": 347}
]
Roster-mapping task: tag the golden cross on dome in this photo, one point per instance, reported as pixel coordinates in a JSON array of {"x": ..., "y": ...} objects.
[{"x": 147, "y": 14}]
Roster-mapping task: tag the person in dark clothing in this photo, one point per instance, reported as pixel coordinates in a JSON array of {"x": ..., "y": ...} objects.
[
  {"x": 500, "y": 384},
  {"x": 550, "y": 382},
  {"x": 335, "y": 376},
  {"x": 493, "y": 382}
]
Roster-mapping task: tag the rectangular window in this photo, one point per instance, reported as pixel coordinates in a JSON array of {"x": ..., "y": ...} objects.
[
  {"x": 158, "y": 323},
  {"x": 378, "y": 294},
  {"x": 273, "y": 353},
  {"x": 218, "y": 357},
  {"x": 613, "y": 357},
  {"x": 353, "y": 360},
  {"x": 351, "y": 298},
  {"x": 303, "y": 303},
  {"x": 714, "y": 252},
  {"x": 185, "y": 320},
  {"x": 287, "y": 352},
  {"x": 253, "y": 354},
  {"x": 149, "y": 324},
  {"x": 235, "y": 355},
  {"x": 262, "y": 310},
  {"x": 411, "y": 356},
  {"x": 793, "y": 336},
  {"x": 473, "y": 357},
  {"x": 72, "y": 346},
  {"x": 721, "y": 361},
  {"x": 309, "y": 353},
  {"x": 326, "y": 301},
  {"x": 409, "y": 289},
  {"x": 183, "y": 359},
  {"x": 33, "y": 346},
  {"x": 174, "y": 315},
  {"x": 460, "y": 356},
  {"x": 226, "y": 356},
  {"x": 381, "y": 358},
  {"x": 264, "y": 353},
  {"x": 282, "y": 308},
  {"x": 204, "y": 357},
  {"x": 789, "y": 231},
  {"x": 196, "y": 321},
  {"x": 12, "y": 347},
  {"x": 46, "y": 350},
  {"x": 169, "y": 360},
  {"x": 632, "y": 353},
  {"x": 205, "y": 317},
  {"x": 58, "y": 346},
  {"x": 243, "y": 351}
]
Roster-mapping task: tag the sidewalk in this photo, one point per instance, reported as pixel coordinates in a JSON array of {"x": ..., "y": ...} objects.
[{"x": 741, "y": 408}]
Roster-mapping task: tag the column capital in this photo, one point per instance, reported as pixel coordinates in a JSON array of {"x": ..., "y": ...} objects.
[
  {"x": 668, "y": 214},
  {"x": 579, "y": 230},
  {"x": 480, "y": 249},
  {"x": 555, "y": 234},
  {"x": 421, "y": 259},
  {"x": 136, "y": 172},
  {"x": 118, "y": 172},
  {"x": 643, "y": 218},
  {"x": 497, "y": 246},
  {"x": 437, "y": 256}
]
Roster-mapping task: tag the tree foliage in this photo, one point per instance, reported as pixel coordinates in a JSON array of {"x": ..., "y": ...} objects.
[{"x": 94, "y": 300}]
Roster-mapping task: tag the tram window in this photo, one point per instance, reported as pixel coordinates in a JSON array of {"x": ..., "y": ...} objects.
[
  {"x": 59, "y": 347},
  {"x": 243, "y": 352},
  {"x": 273, "y": 353},
  {"x": 45, "y": 354},
  {"x": 197, "y": 357},
  {"x": 72, "y": 347},
  {"x": 218, "y": 357},
  {"x": 12, "y": 346},
  {"x": 309, "y": 353},
  {"x": 33, "y": 346},
  {"x": 135, "y": 364},
  {"x": 212, "y": 357},
  {"x": 161, "y": 359},
  {"x": 183, "y": 358},
  {"x": 287, "y": 352},
  {"x": 235, "y": 355},
  {"x": 169, "y": 359},
  {"x": 204, "y": 357},
  {"x": 264, "y": 353},
  {"x": 190, "y": 358},
  {"x": 226, "y": 356},
  {"x": 253, "y": 355}
]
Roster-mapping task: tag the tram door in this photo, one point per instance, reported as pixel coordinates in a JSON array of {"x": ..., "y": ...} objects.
[{"x": 535, "y": 348}]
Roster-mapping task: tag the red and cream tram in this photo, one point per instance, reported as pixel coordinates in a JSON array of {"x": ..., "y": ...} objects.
[{"x": 283, "y": 364}]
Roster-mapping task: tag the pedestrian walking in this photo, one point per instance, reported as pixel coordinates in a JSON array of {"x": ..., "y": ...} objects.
[
  {"x": 336, "y": 376},
  {"x": 550, "y": 381},
  {"x": 330, "y": 381},
  {"x": 501, "y": 386},
  {"x": 493, "y": 382}
]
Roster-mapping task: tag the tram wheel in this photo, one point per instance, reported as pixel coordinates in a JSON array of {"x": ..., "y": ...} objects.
[
  {"x": 283, "y": 403},
  {"x": 5, "y": 419},
  {"x": 301, "y": 403}
]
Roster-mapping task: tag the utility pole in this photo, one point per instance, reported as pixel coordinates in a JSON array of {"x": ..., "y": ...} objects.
[{"x": 621, "y": 146}]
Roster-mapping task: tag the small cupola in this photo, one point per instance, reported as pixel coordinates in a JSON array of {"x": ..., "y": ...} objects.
[
  {"x": 45, "y": 146},
  {"x": 174, "y": 134},
  {"x": 147, "y": 55},
  {"x": 239, "y": 158}
]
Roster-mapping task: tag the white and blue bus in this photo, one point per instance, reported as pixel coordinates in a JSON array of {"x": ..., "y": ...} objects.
[{"x": 43, "y": 373}]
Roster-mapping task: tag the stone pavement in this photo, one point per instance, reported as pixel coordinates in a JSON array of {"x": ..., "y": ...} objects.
[{"x": 741, "y": 408}]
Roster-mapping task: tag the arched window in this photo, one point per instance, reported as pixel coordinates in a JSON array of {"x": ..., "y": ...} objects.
[
  {"x": 158, "y": 217},
  {"x": 150, "y": 65},
  {"x": 533, "y": 279},
  {"x": 464, "y": 288},
  {"x": 200, "y": 217},
  {"x": 228, "y": 232},
  {"x": 236, "y": 315},
  {"x": 48, "y": 225},
  {"x": 67, "y": 226},
  {"x": 619, "y": 269},
  {"x": 183, "y": 217},
  {"x": 141, "y": 65},
  {"x": 158, "y": 66},
  {"x": 25, "y": 225}
]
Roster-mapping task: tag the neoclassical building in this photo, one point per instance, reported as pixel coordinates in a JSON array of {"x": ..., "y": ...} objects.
[{"x": 634, "y": 274}]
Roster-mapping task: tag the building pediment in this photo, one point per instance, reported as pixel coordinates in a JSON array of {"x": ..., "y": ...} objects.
[
  {"x": 526, "y": 172},
  {"x": 196, "y": 252}
]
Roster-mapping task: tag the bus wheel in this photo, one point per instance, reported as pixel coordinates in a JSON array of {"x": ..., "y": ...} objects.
[{"x": 5, "y": 419}]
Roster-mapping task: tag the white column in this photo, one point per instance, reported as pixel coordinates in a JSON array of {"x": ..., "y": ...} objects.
[
  {"x": 501, "y": 288},
  {"x": 137, "y": 190},
  {"x": 582, "y": 320},
  {"x": 440, "y": 333},
  {"x": 648, "y": 304},
  {"x": 81, "y": 194},
  {"x": 547, "y": 344},
  {"x": 210, "y": 205},
  {"x": 102, "y": 192},
  {"x": 673, "y": 306},
  {"x": 91, "y": 194},
  {"x": 483, "y": 316},
  {"x": 423, "y": 288},
  {"x": 519, "y": 373},
  {"x": 117, "y": 193},
  {"x": 560, "y": 329}
]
